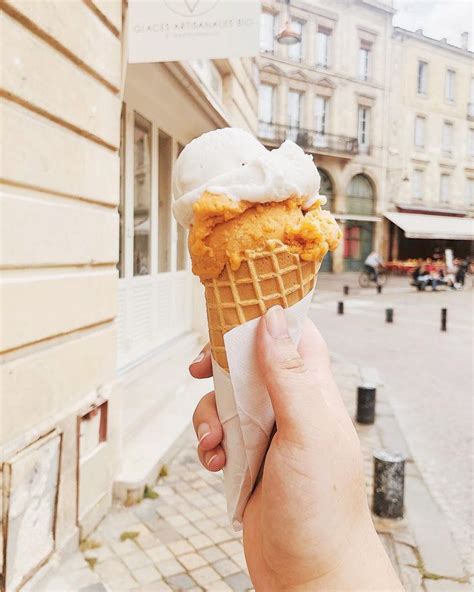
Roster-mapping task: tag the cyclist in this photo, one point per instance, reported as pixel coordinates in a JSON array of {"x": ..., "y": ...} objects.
[{"x": 372, "y": 264}]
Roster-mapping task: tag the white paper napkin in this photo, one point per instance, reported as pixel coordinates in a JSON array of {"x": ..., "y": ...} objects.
[{"x": 245, "y": 409}]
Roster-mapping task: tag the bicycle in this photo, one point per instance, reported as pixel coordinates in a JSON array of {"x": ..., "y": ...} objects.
[{"x": 366, "y": 278}]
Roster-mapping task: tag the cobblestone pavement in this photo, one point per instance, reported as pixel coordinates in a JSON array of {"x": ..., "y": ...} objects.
[
  {"x": 179, "y": 537},
  {"x": 428, "y": 377}
]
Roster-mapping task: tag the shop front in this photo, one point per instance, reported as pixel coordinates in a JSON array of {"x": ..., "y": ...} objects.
[
  {"x": 415, "y": 235},
  {"x": 161, "y": 314}
]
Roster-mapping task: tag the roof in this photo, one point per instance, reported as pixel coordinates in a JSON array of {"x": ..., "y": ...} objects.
[
  {"x": 441, "y": 43},
  {"x": 426, "y": 226}
]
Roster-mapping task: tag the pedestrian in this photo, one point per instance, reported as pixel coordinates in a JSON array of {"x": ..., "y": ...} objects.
[
  {"x": 462, "y": 267},
  {"x": 424, "y": 277},
  {"x": 307, "y": 525},
  {"x": 372, "y": 263}
]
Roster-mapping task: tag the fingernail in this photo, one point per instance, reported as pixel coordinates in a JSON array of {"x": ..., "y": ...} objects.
[
  {"x": 203, "y": 431},
  {"x": 275, "y": 320},
  {"x": 199, "y": 357},
  {"x": 213, "y": 457}
]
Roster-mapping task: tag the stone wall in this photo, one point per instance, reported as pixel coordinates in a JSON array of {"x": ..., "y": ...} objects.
[{"x": 59, "y": 246}]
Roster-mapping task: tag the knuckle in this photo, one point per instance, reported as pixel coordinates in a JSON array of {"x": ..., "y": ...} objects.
[{"x": 294, "y": 363}]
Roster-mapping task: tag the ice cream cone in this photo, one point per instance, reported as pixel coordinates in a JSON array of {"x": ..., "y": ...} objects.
[{"x": 264, "y": 279}]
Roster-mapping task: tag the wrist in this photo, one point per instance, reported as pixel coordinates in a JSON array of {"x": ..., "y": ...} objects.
[{"x": 363, "y": 565}]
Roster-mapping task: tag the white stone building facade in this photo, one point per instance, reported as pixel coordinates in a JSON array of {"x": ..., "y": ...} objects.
[
  {"x": 330, "y": 93},
  {"x": 348, "y": 94},
  {"x": 100, "y": 314},
  {"x": 431, "y": 156}
]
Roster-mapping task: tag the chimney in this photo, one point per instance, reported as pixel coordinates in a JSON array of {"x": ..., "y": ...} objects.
[{"x": 465, "y": 40}]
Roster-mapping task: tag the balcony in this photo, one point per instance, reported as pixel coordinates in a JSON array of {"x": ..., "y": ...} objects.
[{"x": 310, "y": 140}]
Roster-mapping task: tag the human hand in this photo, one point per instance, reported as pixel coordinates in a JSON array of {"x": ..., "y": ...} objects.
[{"x": 307, "y": 525}]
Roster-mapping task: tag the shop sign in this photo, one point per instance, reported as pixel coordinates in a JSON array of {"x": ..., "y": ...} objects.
[{"x": 172, "y": 30}]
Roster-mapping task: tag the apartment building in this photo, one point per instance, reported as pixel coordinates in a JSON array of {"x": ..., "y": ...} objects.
[
  {"x": 431, "y": 156},
  {"x": 100, "y": 311},
  {"x": 330, "y": 94}
]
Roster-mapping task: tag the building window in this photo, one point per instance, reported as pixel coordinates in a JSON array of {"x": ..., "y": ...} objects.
[
  {"x": 181, "y": 248},
  {"x": 181, "y": 239},
  {"x": 364, "y": 61},
  {"x": 470, "y": 143},
  {"x": 449, "y": 85},
  {"x": 419, "y": 131},
  {"x": 422, "y": 78},
  {"x": 360, "y": 196},
  {"x": 320, "y": 120},
  {"x": 165, "y": 167},
  {"x": 469, "y": 196},
  {"x": 209, "y": 75},
  {"x": 444, "y": 182},
  {"x": 295, "y": 99},
  {"x": 266, "y": 109},
  {"x": 267, "y": 32},
  {"x": 141, "y": 195},
  {"x": 418, "y": 178},
  {"x": 363, "y": 129},
  {"x": 295, "y": 51},
  {"x": 447, "y": 139},
  {"x": 121, "y": 205},
  {"x": 323, "y": 40}
]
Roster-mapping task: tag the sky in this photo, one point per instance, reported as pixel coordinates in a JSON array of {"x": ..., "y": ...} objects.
[{"x": 437, "y": 18}]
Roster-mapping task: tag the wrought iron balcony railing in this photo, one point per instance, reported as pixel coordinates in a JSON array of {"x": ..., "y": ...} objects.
[{"x": 308, "y": 139}]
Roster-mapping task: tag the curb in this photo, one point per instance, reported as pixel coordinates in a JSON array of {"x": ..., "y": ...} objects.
[{"x": 437, "y": 559}]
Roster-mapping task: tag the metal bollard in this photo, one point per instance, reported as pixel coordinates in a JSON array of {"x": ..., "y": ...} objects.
[
  {"x": 389, "y": 315},
  {"x": 444, "y": 319},
  {"x": 366, "y": 395},
  {"x": 346, "y": 290},
  {"x": 340, "y": 308},
  {"x": 379, "y": 289},
  {"x": 389, "y": 484}
]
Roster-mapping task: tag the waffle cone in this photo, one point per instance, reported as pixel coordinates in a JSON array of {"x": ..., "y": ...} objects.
[{"x": 264, "y": 279}]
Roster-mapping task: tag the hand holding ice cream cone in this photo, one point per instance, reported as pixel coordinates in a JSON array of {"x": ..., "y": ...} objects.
[
  {"x": 257, "y": 239},
  {"x": 307, "y": 525}
]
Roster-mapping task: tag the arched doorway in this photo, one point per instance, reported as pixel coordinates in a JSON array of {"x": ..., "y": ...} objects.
[
  {"x": 360, "y": 197},
  {"x": 326, "y": 189},
  {"x": 358, "y": 235}
]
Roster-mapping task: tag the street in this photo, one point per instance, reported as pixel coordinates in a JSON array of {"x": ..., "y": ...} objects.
[{"x": 427, "y": 376}]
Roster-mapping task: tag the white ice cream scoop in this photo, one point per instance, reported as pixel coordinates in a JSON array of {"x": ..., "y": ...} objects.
[{"x": 233, "y": 162}]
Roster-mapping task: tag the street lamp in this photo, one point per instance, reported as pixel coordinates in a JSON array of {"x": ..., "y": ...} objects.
[{"x": 288, "y": 36}]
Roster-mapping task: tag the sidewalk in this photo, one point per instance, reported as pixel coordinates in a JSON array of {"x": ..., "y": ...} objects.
[{"x": 179, "y": 538}]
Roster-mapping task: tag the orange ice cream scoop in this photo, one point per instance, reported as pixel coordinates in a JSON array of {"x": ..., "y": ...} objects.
[{"x": 225, "y": 230}]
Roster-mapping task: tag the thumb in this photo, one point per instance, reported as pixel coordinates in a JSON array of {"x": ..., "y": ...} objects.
[{"x": 289, "y": 381}]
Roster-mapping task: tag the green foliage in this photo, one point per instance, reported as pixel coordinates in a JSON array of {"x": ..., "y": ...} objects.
[
  {"x": 92, "y": 561},
  {"x": 88, "y": 544},
  {"x": 150, "y": 493},
  {"x": 129, "y": 535}
]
